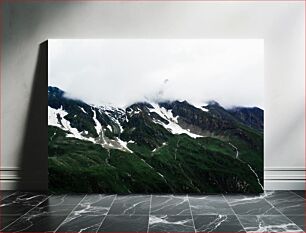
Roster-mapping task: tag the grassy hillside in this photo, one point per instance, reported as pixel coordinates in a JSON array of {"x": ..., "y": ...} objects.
[{"x": 179, "y": 164}]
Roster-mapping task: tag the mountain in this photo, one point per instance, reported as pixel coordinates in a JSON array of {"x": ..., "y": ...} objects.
[
  {"x": 153, "y": 147},
  {"x": 252, "y": 117}
]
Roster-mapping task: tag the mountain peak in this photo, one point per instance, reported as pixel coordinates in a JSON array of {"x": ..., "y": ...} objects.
[
  {"x": 55, "y": 91},
  {"x": 213, "y": 103}
]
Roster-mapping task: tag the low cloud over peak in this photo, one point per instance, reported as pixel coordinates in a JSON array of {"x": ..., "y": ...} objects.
[{"x": 124, "y": 71}]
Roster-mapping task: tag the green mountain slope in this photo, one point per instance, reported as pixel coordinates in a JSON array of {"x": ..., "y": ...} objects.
[{"x": 170, "y": 147}]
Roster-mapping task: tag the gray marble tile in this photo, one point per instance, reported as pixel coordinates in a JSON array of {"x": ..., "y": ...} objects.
[
  {"x": 281, "y": 193},
  {"x": 250, "y": 205},
  {"x": 66, "y": 199},
  {"x": 20, "y": 203},
  {"x": 130, "y": 204},
  {"x": 59, "y": 205},
  {"x": 35, "y": 223},
  {"x": 209, "y": 205},
  {"x": 124, "y": 223},
  {"x": 300, "y": 193},
  {"x": 166, "y": 223},
  {"x": 7, "y": 220},
  {"x": 45, "y": 209},
  {"x": 298, "y": 220},
  {"x": 286, "y": 202},
  {"x": 217, "y": 223},
  {"x": 95, "y": 204},
  {"x": 211, "y": 213},
  {"x": 88, "y": 214},
  {"x": 81, "y": 223},
  {"x": 170, "y": 205},
  {"x": 5, "y": 194},
  {"x": 266, "y": 223},
  {"x": 46, "y": 216}
]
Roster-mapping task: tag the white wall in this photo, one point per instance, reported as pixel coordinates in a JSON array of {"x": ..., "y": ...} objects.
[{"x": 26, "y": 25}]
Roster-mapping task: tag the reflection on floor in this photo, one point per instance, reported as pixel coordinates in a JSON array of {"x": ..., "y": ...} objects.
[{"x": 274, "y": 211}]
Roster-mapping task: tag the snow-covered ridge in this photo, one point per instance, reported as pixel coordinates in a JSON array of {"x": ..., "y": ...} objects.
[
  {"x": 56, "y": 118},
  {"x": 117, "y": 116}
]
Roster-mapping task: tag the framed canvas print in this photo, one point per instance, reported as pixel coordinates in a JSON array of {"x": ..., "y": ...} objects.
[{"x": 155, "y": 115}]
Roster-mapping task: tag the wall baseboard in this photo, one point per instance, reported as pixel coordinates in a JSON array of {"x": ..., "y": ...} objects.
[
  {"x": 276, "y": 178},
  {"x": 284, "y": 178},
  {"x": 284, "y": 184},
  {"x": 11, "y": 179}
]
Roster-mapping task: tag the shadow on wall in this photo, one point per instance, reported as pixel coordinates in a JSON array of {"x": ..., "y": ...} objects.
[{"x": 34, "y": 157}]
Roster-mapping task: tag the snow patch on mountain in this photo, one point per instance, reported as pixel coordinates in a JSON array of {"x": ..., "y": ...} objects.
[
  {"x": 164, "y": 113},
  {"x": 173, "y": 125},
  {"x": 123, "y": 145},
  {"x": 157, "y": 148},
  {"x": 83, "y": 110},
  {"x": 201, "y": 106},
  {"x": 130, "y": 112},
  {"x": 177, "y": 129},
  {"x": 110, "y": 128},
  {"x": 111, "y": 112},
  {"x": 105, "y": 141},
  {"x": 98, "y": 125},
  {"x": 56, "y": 118},
  {"x": 53, "y": 116}
]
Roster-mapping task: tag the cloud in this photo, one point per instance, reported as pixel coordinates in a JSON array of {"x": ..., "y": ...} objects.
[{"x": 123, "y": 71}]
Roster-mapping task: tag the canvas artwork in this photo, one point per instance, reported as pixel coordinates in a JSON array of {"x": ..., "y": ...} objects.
[{"x": 156, "y": 115}]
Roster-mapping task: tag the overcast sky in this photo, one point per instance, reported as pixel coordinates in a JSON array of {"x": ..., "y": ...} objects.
[{"x": 123, "y": 71}]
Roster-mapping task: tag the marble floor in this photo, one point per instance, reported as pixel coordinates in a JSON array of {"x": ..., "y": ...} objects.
[{"x": 273, "y": 211}]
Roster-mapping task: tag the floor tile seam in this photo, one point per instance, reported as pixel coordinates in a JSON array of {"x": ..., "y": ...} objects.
[
  {"x": 272, "y": 205},
  {"x": 149, "y": 213},
  {"x": 235, "y": 214},
  {"x": 69, "y": 214},
  {"x": 128, "y": 214},
  {"x": 7, "y": 196},
  {"x": 191, "y": 214},
  {"x": 283, "y": 215},
  {"x": 297, "y": 194},
  {"x": 215, "y": 214},
  {"x": 63, "y": 205},
  {"x": 107, "y": 213},
  {"x": 298, "y": 215},
  {"x": 293, "y": 221}
]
